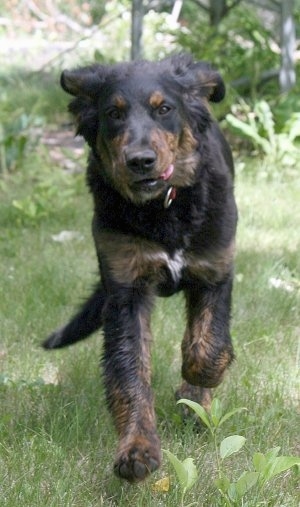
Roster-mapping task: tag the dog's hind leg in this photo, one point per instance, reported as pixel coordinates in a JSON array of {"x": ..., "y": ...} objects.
[{"x": 85, "y": 322}]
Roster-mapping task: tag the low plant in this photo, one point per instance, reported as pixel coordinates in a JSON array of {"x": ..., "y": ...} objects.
[
  {"x": 17, "y": 136},
  {"x": 241, "y": 35},
  {"x": 186, "y": 472},
  {"x": 258, "y": 125},
  {"x": 52, "y": 191},
  {"x": 39, "y": 204},
  {"x": 233, "y": 492}
]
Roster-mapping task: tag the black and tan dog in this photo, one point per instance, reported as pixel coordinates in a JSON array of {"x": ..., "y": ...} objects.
[{"x": 161, "y": 176}]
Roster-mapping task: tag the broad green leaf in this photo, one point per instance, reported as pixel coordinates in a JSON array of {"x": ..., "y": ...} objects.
[
  {"x": 242, "y": 127},
  {"x": 265, "y": 117},
  {"x": 200, "y": 411},
  {"x": 185, "y": 470},
  {"x": 246, "y": 482},
  {"x": 272, "y": 453},
  {"x": 294, "y": 130},
  {"x": 283, "y": 463},
  {"x": 259, "y": 461},
  {"x": 191, "y": 470},
  {"x": 276, "y": 466},
  {"x": 250, "y": 132},
  {"x": 222, "y": 484},
  {"x": 268, "y": 472},
  {"x": 230, "y": 414},
  {"x": 230, "y": 445},
  {"x": 216, "y": 412},
  {"x": 179, "y": 469},
  {"x": 17, "y": 204},
  {"x": 232, "y": 493}
]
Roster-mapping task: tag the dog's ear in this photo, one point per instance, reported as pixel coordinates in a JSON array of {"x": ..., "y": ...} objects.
[
  {"x": 85, "y": 86},
  {"x": 198, "y": 77},
  {"x": 84, "y": 82},
  {"x": 211, "y": 83}
]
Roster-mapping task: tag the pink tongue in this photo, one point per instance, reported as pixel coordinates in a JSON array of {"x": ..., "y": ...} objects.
[{"x": 168, "y": 173}]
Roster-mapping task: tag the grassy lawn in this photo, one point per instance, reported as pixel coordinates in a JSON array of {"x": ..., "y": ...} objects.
[{"x": 56, "y": 437}]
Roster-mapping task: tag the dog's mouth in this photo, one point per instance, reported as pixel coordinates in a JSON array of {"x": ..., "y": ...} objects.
[{"x": 150, "y": 184}]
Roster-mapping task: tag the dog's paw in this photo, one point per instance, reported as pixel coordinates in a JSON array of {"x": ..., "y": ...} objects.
[
  {"x": 207, "y": 371},
  {"x": 201, "y": 395},
  {"x": 138, "y": 460}
]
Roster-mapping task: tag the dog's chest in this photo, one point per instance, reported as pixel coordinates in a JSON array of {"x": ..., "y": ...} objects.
[
  {"x": 171, "y": 272},
  {"x": 130, "y": 259},
  {"x": 175, "y": 263}
]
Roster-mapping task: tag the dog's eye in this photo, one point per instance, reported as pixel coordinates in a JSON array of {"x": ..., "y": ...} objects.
[
  {"x": 114, "y": 113},
  {"x": 163, "y": 109}
]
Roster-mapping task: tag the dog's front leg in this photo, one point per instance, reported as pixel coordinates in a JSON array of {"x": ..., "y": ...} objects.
[
  {"x": 206, "y": 348},
  {"x": 126, "y": 363}
]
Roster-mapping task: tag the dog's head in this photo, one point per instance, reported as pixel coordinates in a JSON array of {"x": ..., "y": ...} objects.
[{"x": 144, "y": 121}]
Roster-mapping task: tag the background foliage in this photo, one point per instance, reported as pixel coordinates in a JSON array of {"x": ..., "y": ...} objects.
[{"x": 42, "y": 37}]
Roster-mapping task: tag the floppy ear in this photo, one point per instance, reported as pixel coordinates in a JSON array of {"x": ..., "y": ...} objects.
[
  {"x": 200, "y": 77},
  {"x": 211, "y": 84},
  {"x": 85, "y": 85},
  {"x": 83, "y": 82}
]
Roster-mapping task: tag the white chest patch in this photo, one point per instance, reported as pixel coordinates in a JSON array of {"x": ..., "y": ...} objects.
[
  {"x": 176, "y": 264},
  {"x": 196, "y": 266}
]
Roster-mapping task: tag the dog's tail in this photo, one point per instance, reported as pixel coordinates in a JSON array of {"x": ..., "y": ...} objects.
[{"x": 85, "y": 322}]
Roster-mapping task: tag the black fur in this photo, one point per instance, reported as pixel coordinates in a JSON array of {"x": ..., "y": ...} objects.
[{"x": 150, "y": 132}]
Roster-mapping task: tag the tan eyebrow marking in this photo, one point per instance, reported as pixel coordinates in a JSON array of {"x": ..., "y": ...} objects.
[
  {"x": 156, "y": 99},
  {"x": 119, "y": 101}
]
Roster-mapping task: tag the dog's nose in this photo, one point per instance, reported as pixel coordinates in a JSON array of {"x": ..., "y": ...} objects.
[{"x": 141, "y": 162}]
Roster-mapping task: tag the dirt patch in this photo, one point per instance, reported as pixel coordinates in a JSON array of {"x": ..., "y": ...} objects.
[{"x": 65, "y": 149}]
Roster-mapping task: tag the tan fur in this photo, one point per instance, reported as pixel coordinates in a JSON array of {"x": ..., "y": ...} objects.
[
  {"x": 186, "y": 160},
  {"x": 198, "y": 352},
  {"x": 169, "y": 149},
  {"x": 131, "y": 257},
  {"x": 156, "y": 99},
  {"x": 214, "y": 266},
  {"x": 119, "y": 101}
]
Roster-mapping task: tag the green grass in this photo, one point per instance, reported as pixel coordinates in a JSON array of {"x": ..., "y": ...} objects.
[{"x": 57, "y": 440}]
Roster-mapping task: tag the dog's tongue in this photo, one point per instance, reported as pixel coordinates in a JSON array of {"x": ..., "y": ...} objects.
[{"x": 168, "y": 173}]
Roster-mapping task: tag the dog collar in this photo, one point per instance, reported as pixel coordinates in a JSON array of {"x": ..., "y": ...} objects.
[{"x": 170, "y": 196}]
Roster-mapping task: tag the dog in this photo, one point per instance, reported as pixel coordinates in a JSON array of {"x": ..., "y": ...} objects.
[{"x": 161, "y": 175}]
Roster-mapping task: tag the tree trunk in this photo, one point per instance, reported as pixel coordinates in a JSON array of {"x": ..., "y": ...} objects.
[
  {"x": 137, "y": 15},
  {"x": 217, "y": 11},
  {"x": 287, "y": 77}
]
